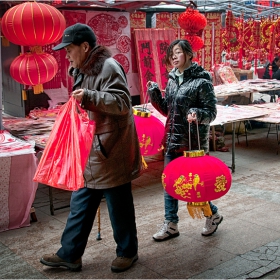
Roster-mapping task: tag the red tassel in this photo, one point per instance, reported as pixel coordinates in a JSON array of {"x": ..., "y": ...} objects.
[
  {"x": 256, "y": 63},
  {"x": 240, "y": 62}
]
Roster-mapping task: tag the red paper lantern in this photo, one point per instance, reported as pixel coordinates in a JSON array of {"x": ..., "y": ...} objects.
[
  {"x": 33, "y": 68},
  {"x": 196, "y": 42},
  {"x": 33, "y": 24},
  {"x": 150, "y": 131},
  {"x": 196, "y": 178},
  {"x": 192, "y": 21}
]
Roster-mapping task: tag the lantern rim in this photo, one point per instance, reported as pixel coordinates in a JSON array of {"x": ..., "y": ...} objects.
[
  {"x": 141, "y": 112},
  {"x": 194, "y": 153}
]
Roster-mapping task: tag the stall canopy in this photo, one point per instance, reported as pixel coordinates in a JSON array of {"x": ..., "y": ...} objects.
[{"x": 241, "y": 7}]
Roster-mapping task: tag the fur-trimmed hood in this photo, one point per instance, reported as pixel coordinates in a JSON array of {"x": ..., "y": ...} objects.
[{"x": 94, "y": 62}]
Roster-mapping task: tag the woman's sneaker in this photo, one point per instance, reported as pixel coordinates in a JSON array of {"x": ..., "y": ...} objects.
[
  {"x": 211, "y": 224},
  {"x": 168, "y": 230}
]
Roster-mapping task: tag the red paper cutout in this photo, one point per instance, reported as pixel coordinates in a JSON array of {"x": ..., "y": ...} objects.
[
  {"x": 123, "y": 60},
  {"x": 124, "y": 44}
]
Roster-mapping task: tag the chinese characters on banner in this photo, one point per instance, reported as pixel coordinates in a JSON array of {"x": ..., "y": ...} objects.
[
  {"x": 137, "y": 20},
  {"x": 150, "y": 54},
  {"x": 211, "y": 53},
  {"x": 161, "y": 51}
]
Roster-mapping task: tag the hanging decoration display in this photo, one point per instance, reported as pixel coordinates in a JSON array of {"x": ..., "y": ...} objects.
[
  {"x": 257, "y": 37},
  {"x": 265, "y": 32},
  {"x": 248, "y": 44},
  {"x": 271, "y": 47},
  {"x": 277, "y": 35},
  {"x": 241, "y": 41},
  {"x": 193, "y": 23},
  {"x": 196, "y": 178},
  {"x": 232, "y": 33},
  {"x": 251, "y": 41},
  {"x": 34, "y": 25}
]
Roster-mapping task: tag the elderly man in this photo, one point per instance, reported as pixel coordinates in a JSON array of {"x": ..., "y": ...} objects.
[{"x": 100, "y": 86}]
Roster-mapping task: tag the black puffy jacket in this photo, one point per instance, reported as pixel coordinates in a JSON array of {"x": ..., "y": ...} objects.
[{"x": 195, "y": 94}]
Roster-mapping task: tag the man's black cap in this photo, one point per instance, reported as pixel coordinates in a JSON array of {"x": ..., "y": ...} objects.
[{"x": 76, "y": 34}]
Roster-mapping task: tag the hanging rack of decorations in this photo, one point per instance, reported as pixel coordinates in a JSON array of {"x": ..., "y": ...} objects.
[
  {"x": 251, "y": 41},
  {"x": 33, "y": 25}
]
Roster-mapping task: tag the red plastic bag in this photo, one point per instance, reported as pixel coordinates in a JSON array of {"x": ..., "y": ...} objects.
[{"x": 67, "y": 150}]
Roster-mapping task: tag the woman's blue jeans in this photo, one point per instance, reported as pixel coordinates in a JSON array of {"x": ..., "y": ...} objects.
[
  {"x": 170, "y": 203},
  {"x": 83, "y": 207}
]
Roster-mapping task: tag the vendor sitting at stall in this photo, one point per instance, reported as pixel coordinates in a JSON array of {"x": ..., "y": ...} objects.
[
  {"x": 275, "y": 69},
  {"x": 275, "y": 75}
]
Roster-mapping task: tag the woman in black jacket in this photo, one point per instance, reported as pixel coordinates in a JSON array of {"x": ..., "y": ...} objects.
[{"x": 189, "y": 98}]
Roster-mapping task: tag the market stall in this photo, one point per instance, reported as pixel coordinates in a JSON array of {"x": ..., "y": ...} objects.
[{"x": 17, "y": 167}]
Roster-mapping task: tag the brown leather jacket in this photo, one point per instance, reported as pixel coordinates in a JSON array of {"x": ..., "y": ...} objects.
[{"x": 115, "y": 157}]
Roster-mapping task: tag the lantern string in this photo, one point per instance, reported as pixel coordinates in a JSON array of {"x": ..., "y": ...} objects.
[
  {"x": 190, "y": 144},
  {"x": 146, "y": 100},
  {"x": 192, "y": 3},
  {"x": 36, "y": 49},
  {"x": 198, "y": 139}
]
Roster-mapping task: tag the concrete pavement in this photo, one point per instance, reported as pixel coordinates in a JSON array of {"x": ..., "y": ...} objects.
[{"x": 245, "y": 246}]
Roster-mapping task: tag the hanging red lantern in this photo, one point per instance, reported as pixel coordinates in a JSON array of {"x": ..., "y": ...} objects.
[
  {"x": 33, "y": 24},
  {"x": 196, "y": 42},
  {"x": 196, "y": 178},
  {"x": 34, "y": 69},
  {"x": 192, "y": 21},
  {"x": 150, "y": 131}
]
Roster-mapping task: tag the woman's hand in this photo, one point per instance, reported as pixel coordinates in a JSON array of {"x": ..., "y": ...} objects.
[
  {"x": 149, "y": 84},
  {"x": 78, "y": 94},
  {"x": 191, "y": 117}
]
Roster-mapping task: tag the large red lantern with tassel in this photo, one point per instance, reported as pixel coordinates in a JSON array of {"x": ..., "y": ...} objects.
[
  {"x": 196, "y": 178},
  {"x": 33, "y": 24},
  {"x": 150, "y": 131},
  {"x": 33, "y": 69}
]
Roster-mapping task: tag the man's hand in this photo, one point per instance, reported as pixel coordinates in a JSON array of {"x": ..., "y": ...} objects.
[{"x": 78, "y": 94}]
